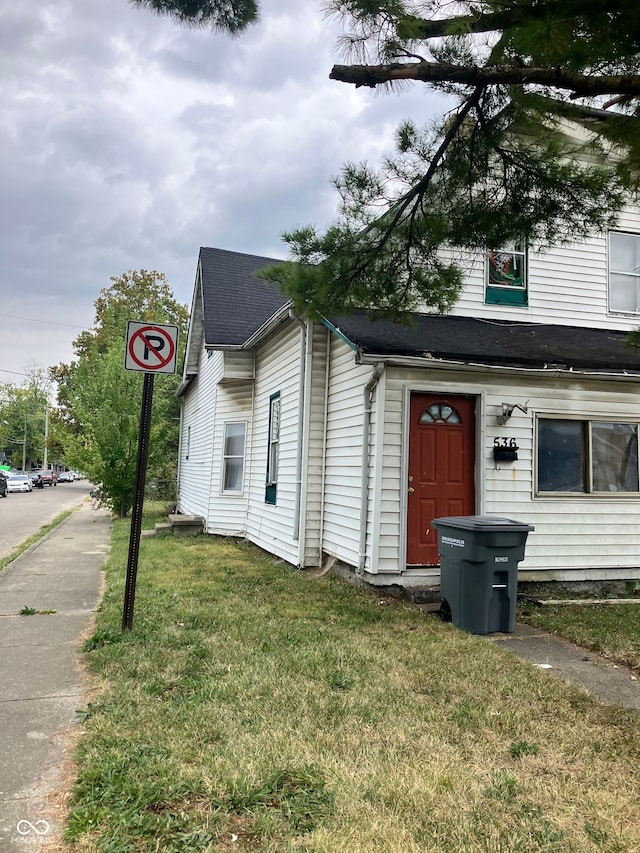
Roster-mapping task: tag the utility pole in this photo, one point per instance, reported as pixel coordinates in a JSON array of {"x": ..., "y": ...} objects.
[{"x": 46, "y": 434}]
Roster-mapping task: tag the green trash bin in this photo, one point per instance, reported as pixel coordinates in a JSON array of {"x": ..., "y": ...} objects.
[{"x": 479, "y": 558}]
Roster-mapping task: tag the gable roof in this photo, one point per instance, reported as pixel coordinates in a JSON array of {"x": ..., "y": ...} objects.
[
  {"x": 492, "y": 342},
  {"x": 236, "y": 303}
]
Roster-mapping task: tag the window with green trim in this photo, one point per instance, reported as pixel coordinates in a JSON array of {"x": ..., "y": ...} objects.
[
  {"x": 506, "y": 276},
  {"x": 273, "y": 449}
]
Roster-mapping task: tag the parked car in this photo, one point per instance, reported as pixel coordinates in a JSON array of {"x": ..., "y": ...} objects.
[
  {"x": 19, "y": 483},
  {"x": 4, "y": 489},
  {"x": 44, "y": 477},
  {"x": 65, "y": 477}
]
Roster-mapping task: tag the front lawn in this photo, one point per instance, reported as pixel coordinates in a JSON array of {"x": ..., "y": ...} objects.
[{"x": 257, "y": 708}]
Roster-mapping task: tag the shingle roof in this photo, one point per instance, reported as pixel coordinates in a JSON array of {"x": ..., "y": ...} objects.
[
  {"x": 236, "y": 302},
  {"x": 495, "y": 342}
]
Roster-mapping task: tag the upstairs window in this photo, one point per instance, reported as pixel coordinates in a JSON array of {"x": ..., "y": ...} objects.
[
  {"x": 273, "y": 449},
  {"x": 624, "y": 272},
  {"x": 506, "y": 276}
]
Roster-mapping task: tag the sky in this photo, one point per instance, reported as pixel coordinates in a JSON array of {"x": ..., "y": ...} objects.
[{"x": 128, "y": 142}]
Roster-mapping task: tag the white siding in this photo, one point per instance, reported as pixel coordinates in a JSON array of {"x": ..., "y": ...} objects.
[
  {"x": 343, "y": 484},
  {"x": 227, "y": 513},
  {"x": 575, "y": 538},
  {"x": 277, "y": 370},
  {"x": 313, "y": 456},
  {"x": 198, "y": 418},
  {"x": 567, "y": 286}
]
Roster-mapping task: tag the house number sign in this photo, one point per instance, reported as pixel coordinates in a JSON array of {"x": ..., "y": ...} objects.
[
  {"x": 505, "y": 449},
  {"x": 506, "y": 443}
]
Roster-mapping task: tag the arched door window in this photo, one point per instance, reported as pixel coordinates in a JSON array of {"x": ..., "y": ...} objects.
[{"x": 440, "y": 412}]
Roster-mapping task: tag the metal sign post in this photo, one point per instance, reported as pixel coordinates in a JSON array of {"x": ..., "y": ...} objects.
[
  {"x": 150, "y": 349},
  {"x": 138, "y": 501}
]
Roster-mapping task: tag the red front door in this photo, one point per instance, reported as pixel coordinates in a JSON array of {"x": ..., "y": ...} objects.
[{"x": 441, "y": 469}]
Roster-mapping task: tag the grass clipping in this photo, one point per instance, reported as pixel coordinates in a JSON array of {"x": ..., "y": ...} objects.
[{"x": 253, "y": 707}]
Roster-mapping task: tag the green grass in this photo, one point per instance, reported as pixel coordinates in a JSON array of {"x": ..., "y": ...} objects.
[
  {"x": 31, "y": 540},
  {"x": 257, "y": 708}
]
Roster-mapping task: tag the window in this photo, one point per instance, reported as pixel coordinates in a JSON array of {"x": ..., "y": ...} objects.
[
  {"x": 506, "y": 276},
  {"x": 624, "y": 272},
  {"x": 273, "y": 449},
  {"x": 587, "y": 456},
  {"x": 440, "y": 413},
  {"x": 188, "y": 443},
  {"x": 233, "y": 457}
]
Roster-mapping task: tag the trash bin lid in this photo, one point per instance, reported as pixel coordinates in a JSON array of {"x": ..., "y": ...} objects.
[{"x": 481, "y": 522}]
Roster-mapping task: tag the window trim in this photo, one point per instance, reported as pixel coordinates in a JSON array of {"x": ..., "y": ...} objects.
[
  {"x": 226, "y": 456},
  {"x": 626, "y": 311},
  {"x": 273, "y": 449},
  {"x": 589, "y": 493},
  {"x": 516, "y": 296}
]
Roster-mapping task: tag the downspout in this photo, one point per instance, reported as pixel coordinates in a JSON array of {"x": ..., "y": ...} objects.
[
  {"x": 300, "y": 437},
  {"x": 364, "y": 482}
]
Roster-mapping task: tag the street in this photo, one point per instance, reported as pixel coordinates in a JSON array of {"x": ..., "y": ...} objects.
[{"x": 24, "y": 513}]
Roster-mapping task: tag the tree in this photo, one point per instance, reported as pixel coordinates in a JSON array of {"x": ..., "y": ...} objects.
[
  {"x": 24, "y": 420},
  {"x": 230, "y": 15},
  {"x": 100, "y": 401},
  {"x": 542, "y": 144}
]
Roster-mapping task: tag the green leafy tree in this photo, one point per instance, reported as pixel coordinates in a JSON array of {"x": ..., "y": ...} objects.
[
  {"x": 25, "y": 412},
  {"x": 541, "y": 143},
  {"x": 99, "y": 401}
]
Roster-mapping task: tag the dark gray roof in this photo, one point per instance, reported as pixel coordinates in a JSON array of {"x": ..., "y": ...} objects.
[
  {"x": 494, "y": 342},
  {"x": 236, "y": 302}
]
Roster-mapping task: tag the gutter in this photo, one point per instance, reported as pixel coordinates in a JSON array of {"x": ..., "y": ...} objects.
[
  {"x": 480, "y": 367},
  {"x": 364, "y": 470},
  {"x": 266, "y": 328},
  {"x": 183, "y": 387}
]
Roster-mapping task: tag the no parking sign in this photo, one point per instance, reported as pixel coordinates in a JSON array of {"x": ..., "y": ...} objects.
[{"x": 151, "y": 347}]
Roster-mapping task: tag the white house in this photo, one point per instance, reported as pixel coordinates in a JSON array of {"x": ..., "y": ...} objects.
[{"x": 344, "y": 438}]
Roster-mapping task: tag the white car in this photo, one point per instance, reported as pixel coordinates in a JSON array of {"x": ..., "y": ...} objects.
[{"x": 19, "y": 483}]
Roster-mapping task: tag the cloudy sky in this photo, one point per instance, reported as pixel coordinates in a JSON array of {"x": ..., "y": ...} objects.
[{"x": 128, "y": 142}]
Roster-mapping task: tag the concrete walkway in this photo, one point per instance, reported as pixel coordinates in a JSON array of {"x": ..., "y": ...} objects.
[
  {"x": 42, "y": 682},
  {"x": 613, "y": 684}
]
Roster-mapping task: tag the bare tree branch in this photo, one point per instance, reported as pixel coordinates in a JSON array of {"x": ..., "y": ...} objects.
[{"x": 579, "y": 85}]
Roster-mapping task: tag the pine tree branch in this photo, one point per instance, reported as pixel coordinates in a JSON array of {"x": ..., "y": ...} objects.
[
  {"x": 512, "y": 16},
  {"x": 579, "y": 85}
]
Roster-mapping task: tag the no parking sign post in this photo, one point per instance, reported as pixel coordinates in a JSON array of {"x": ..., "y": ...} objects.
[{"x": 151, "y": 348}]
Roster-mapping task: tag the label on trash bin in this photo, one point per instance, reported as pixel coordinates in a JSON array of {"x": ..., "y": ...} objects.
[
  {"x": 449, "y": 540},
  {"x": 500, "y": 559}
]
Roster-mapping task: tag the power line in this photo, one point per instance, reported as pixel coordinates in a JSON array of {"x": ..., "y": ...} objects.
[{"x": 36, "y": 320}]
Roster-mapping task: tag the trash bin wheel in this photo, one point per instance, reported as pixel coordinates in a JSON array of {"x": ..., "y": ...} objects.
[{"x": 445, "y": 611}]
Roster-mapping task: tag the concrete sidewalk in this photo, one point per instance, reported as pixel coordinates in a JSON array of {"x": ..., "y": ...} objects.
[
  {"x": 613, "y": 684},
  {"x": 42, "y": 682}
]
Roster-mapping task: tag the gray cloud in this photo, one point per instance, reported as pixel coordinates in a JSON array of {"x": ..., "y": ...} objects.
[{"x": 129, "y": 142}]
